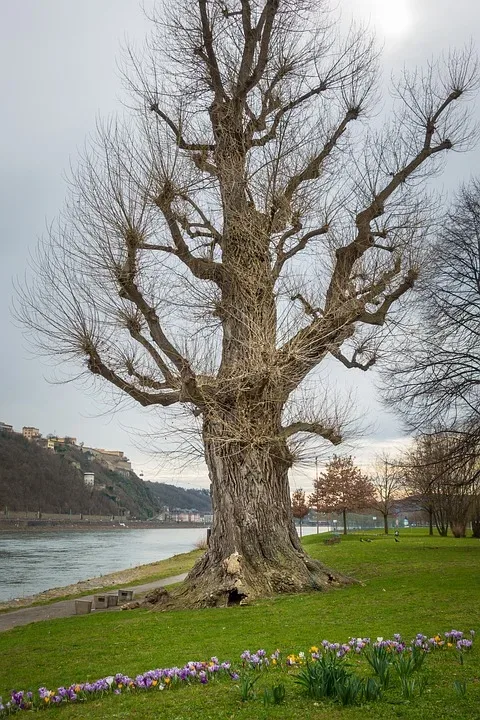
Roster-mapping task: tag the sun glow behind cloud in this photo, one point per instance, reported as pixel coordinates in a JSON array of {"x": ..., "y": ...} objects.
[{"x": 392, "y": 18}]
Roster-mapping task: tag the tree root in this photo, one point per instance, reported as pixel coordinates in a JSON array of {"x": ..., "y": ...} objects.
[{"x": 235, "y": 582}]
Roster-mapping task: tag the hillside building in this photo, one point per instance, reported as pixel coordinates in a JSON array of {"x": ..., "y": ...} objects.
[
  {"x": 6, "y": 428},
  {"x": 31, "y": 433},
  {"x": 112, "y": 459},
  {"x": 89, "y": 479}
]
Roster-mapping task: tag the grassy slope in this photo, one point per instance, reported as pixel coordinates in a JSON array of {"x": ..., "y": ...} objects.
[{"x": 418, "y": 585}]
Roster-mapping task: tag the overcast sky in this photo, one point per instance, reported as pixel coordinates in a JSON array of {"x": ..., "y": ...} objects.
[{"x": 58, "y": 70}]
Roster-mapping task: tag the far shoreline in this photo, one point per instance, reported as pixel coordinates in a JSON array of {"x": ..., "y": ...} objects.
[{"x": 38, "y": 526}]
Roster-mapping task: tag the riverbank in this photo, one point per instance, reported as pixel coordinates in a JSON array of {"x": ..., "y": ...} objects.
[{"x": 175, "y": 565}]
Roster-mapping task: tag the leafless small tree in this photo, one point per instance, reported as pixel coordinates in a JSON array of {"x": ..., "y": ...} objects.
[
  {"x": 445, "y": 484},
  {"x": 388, "y": 481},
  {"x": 434, "y": 377},
  {"x": 242, "y": 226}
]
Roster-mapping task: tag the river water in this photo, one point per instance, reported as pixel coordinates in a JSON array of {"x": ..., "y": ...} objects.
[{"x": 33, "y": 562}]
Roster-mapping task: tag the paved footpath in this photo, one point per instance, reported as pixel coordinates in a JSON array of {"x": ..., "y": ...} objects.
[{"x": 66, "y": 608}]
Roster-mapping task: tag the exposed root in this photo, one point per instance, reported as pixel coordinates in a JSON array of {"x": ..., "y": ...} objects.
[{"x": 233, "y": 581}]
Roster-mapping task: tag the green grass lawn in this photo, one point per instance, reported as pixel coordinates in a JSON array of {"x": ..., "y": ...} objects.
[{"x": 420, "y": 584}]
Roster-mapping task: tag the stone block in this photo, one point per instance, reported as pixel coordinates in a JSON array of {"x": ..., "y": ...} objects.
[
  {"x": 125, "y": 595},
  {"x": 83, "y": 607},
  {"x": 112, "y": 599},
  {"x": 100, "y": 602}
]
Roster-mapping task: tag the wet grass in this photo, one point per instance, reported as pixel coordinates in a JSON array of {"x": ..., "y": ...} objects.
[{"x": 420, "y": 584}]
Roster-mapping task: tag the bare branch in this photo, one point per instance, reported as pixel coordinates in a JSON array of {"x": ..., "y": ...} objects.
[
  {"x": 312, "y": 169},
  {"x": 208, "y": 53},
  {"x": 327, "y": 433},
  {"x": 283, "y": 256},
  {"x": 182, "y": 144},
  {"x": 353, "y": 362},
  {"x": 202, "y": 268},
  {"x": 98, "y": 367},
  {"x": 379, "y": 316}
]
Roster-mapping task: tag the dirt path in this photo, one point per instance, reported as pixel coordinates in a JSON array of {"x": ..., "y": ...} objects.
[{"x": 66, "y": 608}]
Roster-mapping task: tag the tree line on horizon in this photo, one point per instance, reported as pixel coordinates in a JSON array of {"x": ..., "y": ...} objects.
[{"x": 448, "y": 493}]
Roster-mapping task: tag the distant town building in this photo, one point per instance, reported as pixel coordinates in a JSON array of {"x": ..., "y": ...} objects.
[
  {"x": 6, "y": 428},
  {"x": 67, "y": 440},
  {"x": 188, "y": 516},
  {"x": 112, "y": 459},
  {"x": 89, "y": 479},
  {"x": 31, "y": 433}
]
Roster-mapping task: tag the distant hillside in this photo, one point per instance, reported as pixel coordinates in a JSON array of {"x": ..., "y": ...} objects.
[
  {"x": 32, "y": 478},
  {"x": 38, "y": 479},
  {"x": 173, "y": 497}
]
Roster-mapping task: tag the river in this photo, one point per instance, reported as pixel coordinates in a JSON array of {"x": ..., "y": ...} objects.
[{"x": 33, "y": 562}]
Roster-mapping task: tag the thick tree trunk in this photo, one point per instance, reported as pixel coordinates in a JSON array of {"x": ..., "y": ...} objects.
[
  {"x": 385, "y": 524},
  {"x": 254, "y": 549},
  {"x": 344, "y": 522}
]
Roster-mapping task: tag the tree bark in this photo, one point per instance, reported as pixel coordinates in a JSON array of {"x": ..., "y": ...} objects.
[
  {"x": 430, "y": 521},
  {"x": 459, "y": 529},
  {"x": 254, "y": 549},
  {"x": 344, "y": 521},
  {"x": 385, "y": 524},
  {"x": 476, "y": 527}
]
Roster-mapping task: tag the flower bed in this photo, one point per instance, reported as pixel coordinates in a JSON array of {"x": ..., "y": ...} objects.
[{"x": 204, "y": 672}]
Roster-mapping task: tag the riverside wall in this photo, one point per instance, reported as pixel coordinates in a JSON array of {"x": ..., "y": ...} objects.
[{"x": 19, "y": 521}]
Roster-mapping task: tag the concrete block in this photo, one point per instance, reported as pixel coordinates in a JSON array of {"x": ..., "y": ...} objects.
[
  {"x": 83, "y": 607},
  {"x": 112, "y": 600},
  {"x": 100, "y": 602},
  {"x": 125, "y": 595}
]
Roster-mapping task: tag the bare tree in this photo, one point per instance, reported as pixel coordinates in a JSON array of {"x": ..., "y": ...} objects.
[
  {"x": 434, "y": 378},
  {"x": 444, "y": 483},
  {"x": 388, "y": 481},
  {"x": 242, "y": 227},
  {"x": 342, "y": 488},
  {"x": 300, "y": 508}
]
